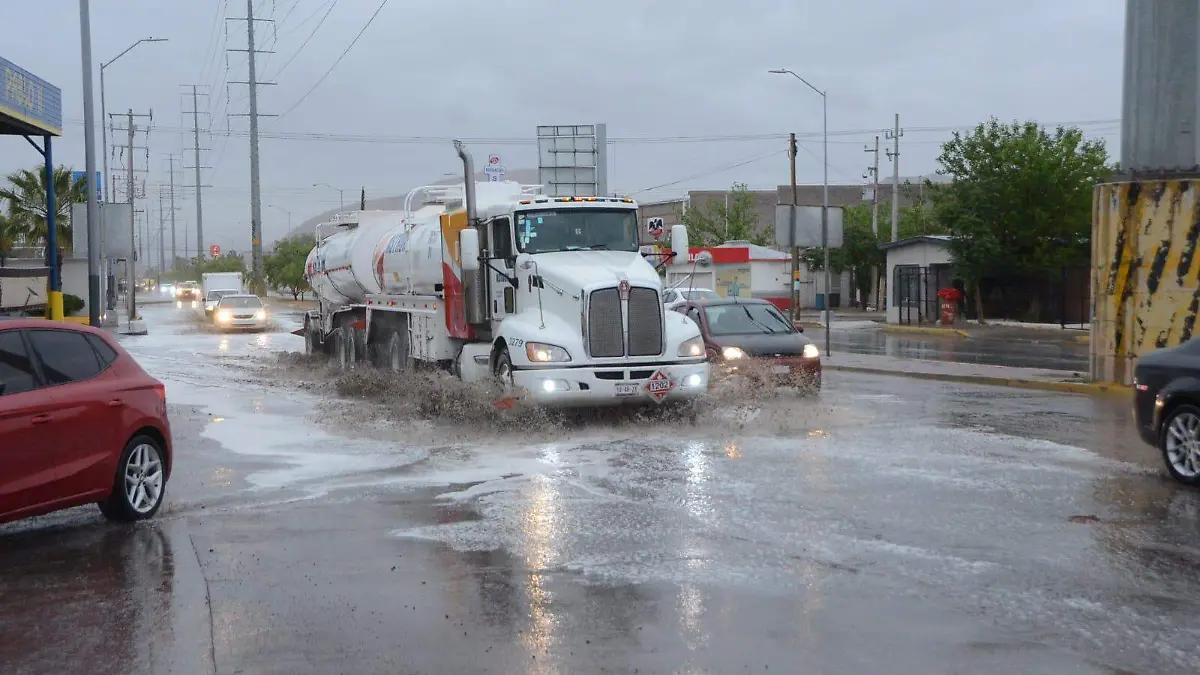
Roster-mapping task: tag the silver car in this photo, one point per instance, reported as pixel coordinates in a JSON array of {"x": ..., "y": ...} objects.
[
  {"x": 240, "y": 312},
  {"x": 674, "y": 297}
]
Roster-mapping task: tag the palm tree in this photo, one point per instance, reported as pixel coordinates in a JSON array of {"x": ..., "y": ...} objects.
[
  {"x": 8, "y": 236},
  {"x": 26, "y": 197}
]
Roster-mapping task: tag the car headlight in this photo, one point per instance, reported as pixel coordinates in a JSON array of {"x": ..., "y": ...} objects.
[
  {"x": 692, "y": 347},
  {"x": 811, "y": 351},
  {"x": 260, "y": 315},
  {"x": 733, "y": 353},
  {"x": 539, "y": 352},
  {"x": 224, "y": 315}
]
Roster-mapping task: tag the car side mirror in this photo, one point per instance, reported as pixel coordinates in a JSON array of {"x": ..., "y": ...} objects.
[
  {"x": 799, "y": 329},
  {"x": 468, "y": 246}
]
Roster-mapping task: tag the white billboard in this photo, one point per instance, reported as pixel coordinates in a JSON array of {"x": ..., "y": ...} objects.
[{"x": 573, "y": 160}]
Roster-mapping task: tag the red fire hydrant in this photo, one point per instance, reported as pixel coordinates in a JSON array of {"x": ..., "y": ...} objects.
[{"x": 951, "y": 297}]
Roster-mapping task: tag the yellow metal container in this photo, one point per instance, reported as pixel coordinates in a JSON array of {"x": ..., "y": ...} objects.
[{"x": 1145, "y": 288}]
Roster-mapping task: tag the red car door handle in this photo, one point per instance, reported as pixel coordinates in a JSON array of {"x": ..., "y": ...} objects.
[
  {"x": 115, "y": 402},
  {"x": 42, "y": 419}
]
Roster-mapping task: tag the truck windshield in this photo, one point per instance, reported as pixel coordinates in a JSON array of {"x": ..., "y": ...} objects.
[{"x": 577, "y": 229}]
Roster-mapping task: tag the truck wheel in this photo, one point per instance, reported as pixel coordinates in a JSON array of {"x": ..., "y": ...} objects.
[
  {"x": 504, "y": 371},
  {"x": 340, "y": 348},
  {"x": 397, "y": 352},
  {"x": 359, "y": 344},
  {"x": 312, "y": 346}
]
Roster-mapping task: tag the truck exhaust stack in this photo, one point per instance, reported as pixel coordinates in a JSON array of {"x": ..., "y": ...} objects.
[{"x": 472, "y": 288}]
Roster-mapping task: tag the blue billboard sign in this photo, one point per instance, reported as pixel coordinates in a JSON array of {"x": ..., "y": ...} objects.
[
  {"x": 77, "y": 176},
  {"x": 30, "y": 100}
]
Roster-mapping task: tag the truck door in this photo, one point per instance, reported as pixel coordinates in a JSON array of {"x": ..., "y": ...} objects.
[{"x": 503, "y": 253}]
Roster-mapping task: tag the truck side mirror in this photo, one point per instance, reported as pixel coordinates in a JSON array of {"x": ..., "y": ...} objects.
[
  {"x": 468, "y": 247},
  {"x": 679, "y": 242}
]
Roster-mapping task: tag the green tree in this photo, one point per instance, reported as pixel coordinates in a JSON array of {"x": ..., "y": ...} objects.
[
  {"x": 284, "y": 265},
  {"x": 9, "y": 233},
  {"x": 1020, "y": 199},
  {"x": 714, "y": 223},
  {"x": 26, "y": 198},
  {"x": 230, "y": 261}
]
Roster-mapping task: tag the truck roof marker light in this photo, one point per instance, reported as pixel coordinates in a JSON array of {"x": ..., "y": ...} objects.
[
  {"x": 525, "y": 201},
  {"x": 591, "y": 199},
  {"x": 627, "y": 201}
]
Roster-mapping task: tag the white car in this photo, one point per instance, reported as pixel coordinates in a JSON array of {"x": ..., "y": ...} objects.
[
  {"x": 240, "y": 311},
  {"x": 674, "y": 297}
]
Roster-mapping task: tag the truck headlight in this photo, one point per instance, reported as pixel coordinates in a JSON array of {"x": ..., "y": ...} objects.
[
  {"x": 811, "y": 351},
  {"x": 733, "y": 353},
  {"x": 692, "y": 347},
  {"x": 539, "y": 352}
]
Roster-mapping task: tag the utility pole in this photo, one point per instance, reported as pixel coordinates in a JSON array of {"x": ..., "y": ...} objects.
[
  {"x": 256, "y": 274},
  {"x": 195, "y": 112},
  {"x": 162, "y": 252},
  {"x": 873, "y": 176},
  {"x": 792, "y": 306},
  {"x": 894, "y": 155},
  {"x": 131, "y": 191},
  {"x": 174, "y": 251}
]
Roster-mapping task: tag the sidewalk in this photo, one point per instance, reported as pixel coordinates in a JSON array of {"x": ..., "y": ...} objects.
[
  {"x": 1007, "y": 376},
  {"x": 1007, "y": 331}
]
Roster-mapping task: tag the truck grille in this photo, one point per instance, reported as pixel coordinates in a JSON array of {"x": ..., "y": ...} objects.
[
  {"x": 605, "y": 335},
  {"x": 606, "y": 332},
  {"x": 645, "y": 322}
]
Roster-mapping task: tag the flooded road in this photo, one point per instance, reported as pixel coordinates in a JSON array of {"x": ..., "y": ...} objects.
[{"x": 318, "y": 524}]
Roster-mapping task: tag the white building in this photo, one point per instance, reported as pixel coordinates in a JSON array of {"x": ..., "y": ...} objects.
[{"x": 917, "y": 268}]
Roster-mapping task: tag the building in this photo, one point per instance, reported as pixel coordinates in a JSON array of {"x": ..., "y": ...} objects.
[
  {"x": 744, "y": 270},
  {"x": 917, "y": 267}
]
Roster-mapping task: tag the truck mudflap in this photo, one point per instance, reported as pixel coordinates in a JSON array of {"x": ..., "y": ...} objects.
[{"x": 646, "y": 384}]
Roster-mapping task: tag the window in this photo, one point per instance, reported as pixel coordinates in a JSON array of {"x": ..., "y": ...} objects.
[
  {"x": 65, "y": 356},
  {"x": 748, "y": 319},
  {"x": 669, "y": 296},
  {"x": 16, "y": 370},
  {"x": 577, "y": 229},
  {"x": 694, "y": 315},
  {"x": 103, "y": 349},
  {"x": 240, "y": 302},
  {"x": 502, "y": 245}
]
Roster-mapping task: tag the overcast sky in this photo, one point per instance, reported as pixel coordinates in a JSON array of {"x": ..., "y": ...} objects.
[{"x": 654, "y": 71}]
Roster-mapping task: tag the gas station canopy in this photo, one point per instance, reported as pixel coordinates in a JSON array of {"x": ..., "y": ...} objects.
[{"x": 29, "y": 105}]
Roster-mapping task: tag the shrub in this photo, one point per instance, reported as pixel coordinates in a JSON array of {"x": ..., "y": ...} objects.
[{"x": 72, "y": 304}]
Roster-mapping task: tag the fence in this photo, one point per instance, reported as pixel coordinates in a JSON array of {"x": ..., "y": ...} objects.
[
  {"x": 914, "y": 292},
  {"x": 1063, "y": 296}
]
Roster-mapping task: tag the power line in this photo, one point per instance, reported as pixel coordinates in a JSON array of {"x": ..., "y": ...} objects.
[
  {"x": 306, "y": 40},
  {"x": 339, "y": 59},
  {"x": 710, "y": 172}
]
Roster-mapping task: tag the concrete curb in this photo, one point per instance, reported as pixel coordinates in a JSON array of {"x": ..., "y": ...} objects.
[
  {"x": 1041, "y": 385},
  {"x": 926, "y": 330}
]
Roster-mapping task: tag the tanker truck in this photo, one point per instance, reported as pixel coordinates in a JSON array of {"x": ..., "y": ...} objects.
[{"x": 548, "y": 296}]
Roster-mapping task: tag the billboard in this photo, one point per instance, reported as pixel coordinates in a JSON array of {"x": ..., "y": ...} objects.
[
  {"x": 573, "y": 160},
  {"x": 76, "y": 176},
  {"x": 114, "y": 230},
  {"x": 29, "y": 100},
  {"x": 808, "y": 226}
]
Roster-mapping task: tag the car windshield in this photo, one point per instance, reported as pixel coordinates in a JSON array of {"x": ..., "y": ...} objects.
[
  {"x": 750, "y": 319},
  {"x": 240, "y": 301},
  {"x": 577, "y": 229}
]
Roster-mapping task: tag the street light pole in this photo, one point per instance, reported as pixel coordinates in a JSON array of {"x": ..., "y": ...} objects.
[
  {"x": 89, "y": 154},
  {"x": 108, "y": 197},
  {"x": 341, "y": 196},
  {"x": 289, "y": 216},
  {"x": 824, "y": 191}
]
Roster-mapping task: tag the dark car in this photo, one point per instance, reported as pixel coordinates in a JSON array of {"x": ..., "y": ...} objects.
[
  {"x": 1167, "y": 407},
  {"x": 750, "y": 331},
  {"x": 80, "y": 423}
]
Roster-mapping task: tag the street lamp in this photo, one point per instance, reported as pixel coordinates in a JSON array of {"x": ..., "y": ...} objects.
[
  {"x": 112, "y": 297},
  {"x": 341, "y": 197},
  {"x": 103, "y": 106},
  {"x": 824, "y": 191},
  {"x": 289, "y": 215}
]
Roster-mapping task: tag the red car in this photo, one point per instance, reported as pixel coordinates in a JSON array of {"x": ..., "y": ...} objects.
[
  {"x": 80, "y": 422},
  {"x": 754, "y": 332}
]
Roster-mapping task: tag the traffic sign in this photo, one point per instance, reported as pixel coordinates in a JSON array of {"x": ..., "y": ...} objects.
[
  {"x": 494, "y": 169},
  {"x": 655, "y": 227},
  {"x": 214, "y": 250}
]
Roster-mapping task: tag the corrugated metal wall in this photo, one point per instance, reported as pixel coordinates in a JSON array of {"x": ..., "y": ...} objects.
[
  {"x": 1145, "y": 272},
  {"x": 1159, "y": 130}
]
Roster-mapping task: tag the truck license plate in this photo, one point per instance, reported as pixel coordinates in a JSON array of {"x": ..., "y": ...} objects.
[
  {"x": 781, "y": 370},
  {"x": 627, "y": 389}
]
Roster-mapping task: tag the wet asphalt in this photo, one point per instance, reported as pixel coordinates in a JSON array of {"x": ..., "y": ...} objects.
[
  {"x": 1056, "y": 350},
  {"x": 890, "y": 526}
]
